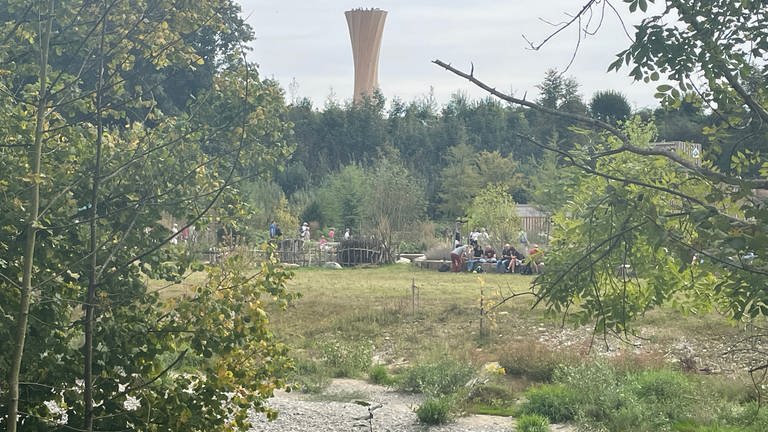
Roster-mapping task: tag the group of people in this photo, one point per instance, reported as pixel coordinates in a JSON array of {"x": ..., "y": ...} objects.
[
  {"x": 305, "y": 233},
  {"x": 472, "y": 255}
]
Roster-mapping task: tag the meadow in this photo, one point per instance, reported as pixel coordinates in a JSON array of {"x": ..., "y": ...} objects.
[
  {"x": 426, "y": 331},
  {"x": 433, "y": 333}
]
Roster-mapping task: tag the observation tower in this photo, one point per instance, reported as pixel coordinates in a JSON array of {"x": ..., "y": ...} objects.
[{"x": 366, "y": 27}]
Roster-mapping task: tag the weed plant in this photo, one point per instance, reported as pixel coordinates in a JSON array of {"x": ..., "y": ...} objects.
[
  {"x": 440, "y": 378},
  {"x": 532, "y": 360},
  {"x": 379, "y": 374},
  {"x": 435, "y": 410},
  {"x": 532, "y": 423},
  {"x": 557, "y": 402},
  {"x": 310, "y": 376},
  {"x": 346, "y": 359}
]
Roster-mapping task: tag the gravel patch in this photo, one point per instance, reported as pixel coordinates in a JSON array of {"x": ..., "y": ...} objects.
[{"x": 311, "y": 413}]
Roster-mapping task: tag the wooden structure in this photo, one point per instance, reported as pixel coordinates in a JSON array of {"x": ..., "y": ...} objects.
[
  {"x": 535, "y": 222},
  {"x": 347, "y": 252}
]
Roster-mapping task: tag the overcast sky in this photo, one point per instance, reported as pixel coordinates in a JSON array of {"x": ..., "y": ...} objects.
[{"x": 309, "y": 41}]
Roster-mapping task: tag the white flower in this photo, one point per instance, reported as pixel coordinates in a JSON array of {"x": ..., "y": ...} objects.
[
  {"x": 59, "y": 414},
  {"x": 121, "y": 387},
  {"x": 131, "y": 403},
  {"x": 53, "y": 406}
]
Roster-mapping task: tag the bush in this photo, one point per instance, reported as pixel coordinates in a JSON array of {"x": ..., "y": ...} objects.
[
  {"x": 441, "y": 378},
  {"x": 380, "y": 375},
  {"x": 531, "y": 360},
  {"x": 346, "y": 359},
  {"x": 310, "y": 377},
  {"x": 435, "y": 411},
  {"x": 556, "y": 402},
  {"x": 532, "y": 423},
  {"x": 663, "y": 392}
]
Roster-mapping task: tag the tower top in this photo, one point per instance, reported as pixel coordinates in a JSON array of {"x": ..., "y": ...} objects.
[{"x": 366, "y": 27}]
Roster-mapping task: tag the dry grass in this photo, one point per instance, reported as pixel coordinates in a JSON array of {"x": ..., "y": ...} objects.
[{"x": 441, "y": 316}]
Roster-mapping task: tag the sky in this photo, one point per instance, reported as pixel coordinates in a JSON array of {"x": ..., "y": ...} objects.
[{"x": 307, "y": 43}]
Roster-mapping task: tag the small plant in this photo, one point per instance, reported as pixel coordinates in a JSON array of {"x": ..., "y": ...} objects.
[
  {"x": 531, "y": 360},
  {"x": 532, "y": 423},
  {"x": 490, "y": 399},
  {"x": 346, "y": 359},
  {"x": 556, "y": 402},
  {"x": 310, "y": 376},
  {"x": 435, "y": 411},
  {"x": 441, "y": 378},
  {"x": 380, "y": 375}
]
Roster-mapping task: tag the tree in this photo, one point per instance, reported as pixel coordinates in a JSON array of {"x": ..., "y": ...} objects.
[
  {"x": 395, "y": 202},
  {"x": 560, "y": 94},
  {"x": 610, "y": 106},
  {"x": 662, "y": 207},
  {"x": 92, "y": 164},
  {"x": 494, "y": 209}
]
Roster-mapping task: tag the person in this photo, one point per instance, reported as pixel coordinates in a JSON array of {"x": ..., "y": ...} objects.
[
  {"x": 489, "y": 253},
  {"x": 457, "y": 257},
  {"x": 322, "y": 241},
  {"x": 273, "y": 230},
  {"x": 175, "y": 231},
  {"x": 347, "y": 234},
  {"x": 305, "y": 231},
  {"x": 523, "y": 239},
  {"x": 515, "y": 260},
  {"x": 331, "y": 234},
  {"x": 536, "y": 257},
  {"x": 473, "y": 237},
  {"x": 506, "y": 254},
  {"x": 457, "y": 235}
]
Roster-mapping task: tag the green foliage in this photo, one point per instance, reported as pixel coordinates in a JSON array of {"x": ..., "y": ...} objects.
[
  {"x": 532, "y": 361},
  {"x": 435, "y": 410},
  {"x": 379, "y": 374},
  {"x": 310, "y": 376},
  {"x": 532, "y": 423},
  {"x": 346, "y": 359},
  {"x": 610, "y": 106},
  {"x": 439, "y": 378},
  {"x": 121, "y": 151},
  {"x": 342, "y": 197},
  {"x": 494, "y": 209},
  {"x": 489, "y": 398},
  {"x": 643, "y": 401},
  {"x": 556, "y": 402}
]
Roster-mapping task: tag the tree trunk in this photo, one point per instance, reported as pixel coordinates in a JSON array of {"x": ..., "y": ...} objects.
[
  {"x": 90, "y": 302},
  {"x": 33, "y": 225}
]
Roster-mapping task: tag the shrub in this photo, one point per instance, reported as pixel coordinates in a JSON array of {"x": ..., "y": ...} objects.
[
  {"x": 556, "y": 402},
  {"x": 597, "y": 388},
  {"x": 440, "y": 378},
  {"x": 346, "y": 358},
  {"x": 490, "y": 395},
  {"x": 380, "y": 375},
  {"x": 310, "y": 376},
  {"x": 532, "y": 423},
  {"x": 531, "y": 360},
  {"x": 435, "y": 411}
]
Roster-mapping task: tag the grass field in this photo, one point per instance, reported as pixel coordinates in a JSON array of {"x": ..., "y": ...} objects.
[
  {"x": 408, "y": 314},
  {"x": 423, "y": 330}
]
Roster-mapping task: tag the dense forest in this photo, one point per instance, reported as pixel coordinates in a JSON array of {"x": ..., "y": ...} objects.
[{"x": 450, "y": 153}]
